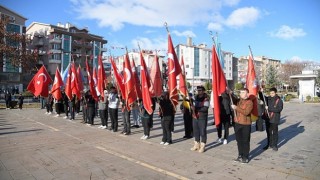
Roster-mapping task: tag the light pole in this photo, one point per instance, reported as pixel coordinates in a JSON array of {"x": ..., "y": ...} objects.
[{"x": 192, "y": 79}]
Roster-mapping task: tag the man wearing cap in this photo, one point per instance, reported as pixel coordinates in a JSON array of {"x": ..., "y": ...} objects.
[
  {"x": 242, "y": 126},
  {"x": 187, "y": 116},
  {"x": 200, "y": 108}
]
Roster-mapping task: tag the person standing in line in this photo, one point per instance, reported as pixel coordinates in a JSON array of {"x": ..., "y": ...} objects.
[
  {"x": 274, "y": 106},
  {"x": 154, "y": 101},
  {"x": 65, "y": 104},
  {"x": 91, "y": 103},
  {"x": 8, "y": 99},
  {"x": 243, "y": 125},
  {"x": 225, "y": 111},
  {"x": 185, "y": 107},
  {"x": 200, "y": 108},
  {"x": 166, "y": 111},
  {"x": 72, "y": 106},
  {"x": 146, "y": 122},
  {"x": 58, "y": 104},
  {"x": 20, "y": 101},
  {"x": 49, "y": 103},
  {"x": 103, "y": 110},
  {"x": 126, "y": 118},
  {"x": 83, "y": 101},
  {"x": 113, "y": 109},
  {"x": 135, "y": 115}
]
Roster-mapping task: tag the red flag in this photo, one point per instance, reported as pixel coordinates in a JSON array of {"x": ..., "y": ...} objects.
[
  {"x": 174, "y": 70},
  {"x": 182, "y": 80},
  {"x": 219, "y": 85},
  {"x": 68, "y": 89},
  {"x": 137, "y": 81},
  {"x": 156, "y": 79},
  {"x": 74, "y": 81},
  {"x": 131, "y": 95},
  {"x": 80, "y": 80},
  {"x": 91, "y": 83},
  {"x": 118, "y": 77},
  {"x": 57, "y": 83},
  {"x": 101, "y": 77},
  {"x": 252, "y": 86},
  {"x": 147, "y": 102},
  {"x": 39, "y": 85}
]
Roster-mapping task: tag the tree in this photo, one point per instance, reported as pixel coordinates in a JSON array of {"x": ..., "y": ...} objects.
[
  {"x": 238, "y": 86},
  {"x": 272, "y": 77},
  {"x": 318, "y": 78},
  {"x": 208, "y": 86},
  {"x": 289, "y": 68},
  {"x": 14, "y": 47}
]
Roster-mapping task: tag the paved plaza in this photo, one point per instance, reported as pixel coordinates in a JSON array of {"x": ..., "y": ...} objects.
[{"x": 38, "y": 146}]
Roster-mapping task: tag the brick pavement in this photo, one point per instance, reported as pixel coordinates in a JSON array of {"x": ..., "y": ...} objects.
[{"x": 38, "y": 146}]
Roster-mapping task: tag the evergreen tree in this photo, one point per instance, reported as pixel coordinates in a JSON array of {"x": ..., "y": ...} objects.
[{"x": 272, "y": 77}]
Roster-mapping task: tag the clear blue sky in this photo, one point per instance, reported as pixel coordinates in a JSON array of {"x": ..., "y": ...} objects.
[{"x": 284, "y": 29}]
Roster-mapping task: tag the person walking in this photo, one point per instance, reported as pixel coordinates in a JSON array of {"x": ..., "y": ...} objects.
[
  {"x": 20, "y": 101},
  {"x": 243, "y": 125},
  {"x": 166, "y": 111},
  {"x": 187, "y": 116},
  {"x": 113, "y": 109},
  {"x": 200, "y": 108},
  {"x": 49, "y": 103},
  {"x": 274, "y": 106},
  {"x": 126, "y": 118}
]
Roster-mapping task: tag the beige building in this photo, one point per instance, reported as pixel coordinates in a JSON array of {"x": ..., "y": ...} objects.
[
  {"x": 59, "y": 44},
  {"x": 261, "y": 65}
]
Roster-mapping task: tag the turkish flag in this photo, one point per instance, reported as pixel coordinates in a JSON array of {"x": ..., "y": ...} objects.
[
  {"x": 101, "y": 77},
  {"x": 129, "y": 83},
  {"x": 57, "y": 83},
  {"x": 74, "y": 81},
  {"x": 119, "y": 78},
  {"x": 80, "y": 79},
  {"x": 174, "y": 70},
  {"x": 68, "y": 89},
  {"x": 39, "y": 85},
  {"x": 91, "y": 83},
  {"x": 95, "y": 79},
  {"x": 182, "y": 79},
  {"x": 146, "y": 98},
  {"x": 219, "y": 85},
  {"x": 156, "y": 79},
  {"x": 252, "y": 86},
  {"x": 136, "y": 79}
]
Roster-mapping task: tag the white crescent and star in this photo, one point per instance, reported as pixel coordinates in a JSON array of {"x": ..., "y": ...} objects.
[
  {"x": 45, "y": 78},
  {"x": 72, "y": 77},
  {"x": 170, "y": 57},
  {"x": 128, "y": 75}
]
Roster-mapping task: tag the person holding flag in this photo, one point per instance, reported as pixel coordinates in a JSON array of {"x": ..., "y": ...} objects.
[
  {"x": 187, "y": 116},
  {"x": 113, "y": 100},
  {"x": 166, "y": 111},
  {"x": 200, "y": 108},
  {"x": 242, "y": 126}
]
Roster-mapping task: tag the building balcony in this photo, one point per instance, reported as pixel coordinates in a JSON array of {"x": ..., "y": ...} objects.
[
  {"x": 54, "y": 61},
  {"x": 55, "y": 51},
  {"x": 55, "y": 40}
]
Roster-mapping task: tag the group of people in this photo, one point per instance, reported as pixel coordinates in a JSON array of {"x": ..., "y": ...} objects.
[
  {"x": 8, "y": 100},
  {"x": 234, "y": 111}
]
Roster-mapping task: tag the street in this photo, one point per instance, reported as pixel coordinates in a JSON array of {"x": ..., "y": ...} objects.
[{"x": 34, "y": 145}]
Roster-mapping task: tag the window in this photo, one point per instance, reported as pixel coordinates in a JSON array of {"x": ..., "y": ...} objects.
[{"x": 187, "y": 66}]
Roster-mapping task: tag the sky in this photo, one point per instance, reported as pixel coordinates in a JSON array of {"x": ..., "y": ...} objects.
[{"x": 279, "y": 29}]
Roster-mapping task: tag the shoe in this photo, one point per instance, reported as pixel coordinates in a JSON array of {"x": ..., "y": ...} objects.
[
  {"x": 238, "y": 159},
  {"x": 50, "y": 113},
  {"x": 266, "y": 147},
  {"x": 104, "y": 127},
  {"x": 196, "y": 146},
  {"x": 44, "y": 113},
  {"x": 225, "y": 141},
  {"x": 100, "y": 127},
  {"x": 126, "y": 133},
  {"x": 166, "y": 144},
  {"x": 162, "y": 143},
  {"x": 275, "y": 148},
  {"x": 244, "y": 161},
  {"x": 57, "y": 115},
  {"x": 145, "y": 137},
  {"x": 219, "y": 140},
  {"x": 66, "y": 117},
  {"x": 142, "y": 137},
  {"x": 202, "y": 147}
]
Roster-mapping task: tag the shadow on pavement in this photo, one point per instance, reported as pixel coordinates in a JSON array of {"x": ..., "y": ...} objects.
[{"x": 14, "y": 132}]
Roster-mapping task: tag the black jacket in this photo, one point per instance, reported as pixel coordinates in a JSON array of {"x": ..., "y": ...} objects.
[
  {"x": 225, "y": 109},
  {"x": 166, "y": 109},
  {"x": 275, "y": 106},
  {"x": 201, "y": 105}
]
